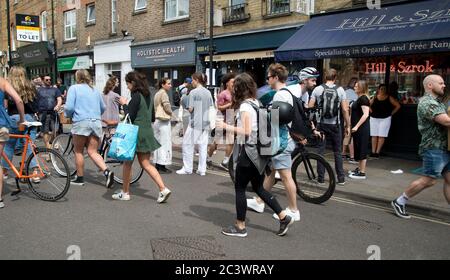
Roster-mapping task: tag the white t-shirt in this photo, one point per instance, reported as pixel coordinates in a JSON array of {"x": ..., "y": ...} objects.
[
  {"x": 245, "y": 107},
  {"x": 316, "y": 95}
]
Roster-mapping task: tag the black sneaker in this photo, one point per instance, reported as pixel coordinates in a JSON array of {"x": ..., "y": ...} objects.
[
  {"x": 400, "y": 210},
  {"x": 109, "y": 179},
  {"x": 358, "y": 176},
  {"x": 77, "y": 181},
  {"x": 356, "y": 170},
  {"x": 164, "y": 170},
  {"x": 234, "y": 231},
  {"x": 284, "y": 225},
  {"x": 341, "y": 182}
]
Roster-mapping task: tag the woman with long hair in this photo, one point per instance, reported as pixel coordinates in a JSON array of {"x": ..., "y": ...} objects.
[
  {"x": 382, "y": 108},
  {"x": 85, "y": 106},
  {"x": 139, "y": 109},
  {"x": 6, "y": 123},
  {"x": 111, "y": 115},
  {"x": 250, "y": 166},
  {"x": 163, "y": 130},
  {"x": 27, "y": 92},
  {"x": 360, "y": 128}
]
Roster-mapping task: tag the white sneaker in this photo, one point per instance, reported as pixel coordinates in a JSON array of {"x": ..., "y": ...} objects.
[
  {"x": 164, "y": 195},
  {"x": 253, "y": 204},
  {"x": 294, "y": 215},
  {"x": 277, "y": 176},
  {"x": 2, "y": 204},
  {"x": 121, "y": 196},
  {"x": 183, "y": 172},
  {"x": 201, "y": 173}
]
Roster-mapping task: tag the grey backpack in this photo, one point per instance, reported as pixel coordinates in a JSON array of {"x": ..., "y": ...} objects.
[{"x": 330, "y": 102}]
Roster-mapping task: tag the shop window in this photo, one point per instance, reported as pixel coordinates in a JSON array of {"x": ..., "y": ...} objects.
[
  {"x": 176, "y": 9},
  {"x": 90, "y": 13},
  {"x": 140, "y": 5},
  {"x": 44, "y": 17},
  {"x": 70, "y": 25}
]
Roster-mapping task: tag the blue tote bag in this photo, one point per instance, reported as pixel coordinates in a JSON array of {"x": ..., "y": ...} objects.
[{"x": 123, "y": 144}]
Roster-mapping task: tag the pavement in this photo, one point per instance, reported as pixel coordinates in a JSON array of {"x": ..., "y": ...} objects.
[{"x": 381, "y": 186}]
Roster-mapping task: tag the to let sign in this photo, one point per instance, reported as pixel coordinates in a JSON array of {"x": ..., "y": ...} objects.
[{"x": 27, "y": 28}]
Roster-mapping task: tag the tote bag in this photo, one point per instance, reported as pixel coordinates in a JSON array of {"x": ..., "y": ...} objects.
[{"x": 123, "y": 144}]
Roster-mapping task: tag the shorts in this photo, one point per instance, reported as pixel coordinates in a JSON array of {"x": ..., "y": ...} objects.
[
  {"x": 47, "y": 119},
  {"x": 380, "y": 127},
  {"x": 435, "y": 163},
  {"x": 283, "y": 160},
  {"x": 4, "y": 135},
  {"x": 87, "y": 128}
]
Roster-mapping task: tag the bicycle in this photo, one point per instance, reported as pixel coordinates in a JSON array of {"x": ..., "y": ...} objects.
[
  {"x": 39, "y": 173},
  {"x": 309, "y": 186},
  {"x": 63, "y": 143}
]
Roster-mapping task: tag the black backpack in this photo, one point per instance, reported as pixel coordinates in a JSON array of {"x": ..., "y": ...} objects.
[
  {"x": 330, "y": 102},
  {"x": 177, "y": 96},
  {"x": 301, "y": 126}
]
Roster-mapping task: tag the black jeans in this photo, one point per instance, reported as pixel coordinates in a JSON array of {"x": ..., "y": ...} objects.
[
  {"x": 333, "y": 134},
  {"x": 246, "y": 173}
]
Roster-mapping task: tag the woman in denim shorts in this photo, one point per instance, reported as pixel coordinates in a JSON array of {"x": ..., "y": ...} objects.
[{"x": 85, "y": 106}]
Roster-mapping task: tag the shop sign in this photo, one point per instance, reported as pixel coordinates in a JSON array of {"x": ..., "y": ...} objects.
[
  {"x": 27, "y": 28},
  {"x": 178, "y": 53},
  {"x": 73, "y": 63},
  {"x": 33, "y": 53},
  {"x": 402, "y": 68}
]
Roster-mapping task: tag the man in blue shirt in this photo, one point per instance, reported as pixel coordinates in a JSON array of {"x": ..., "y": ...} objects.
[{"x": 49, "y": 102}]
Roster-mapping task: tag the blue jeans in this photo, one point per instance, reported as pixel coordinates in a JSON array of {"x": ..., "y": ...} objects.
[
  {"x": 435, "y": 163},
  {"x": 11, "y": 144}
]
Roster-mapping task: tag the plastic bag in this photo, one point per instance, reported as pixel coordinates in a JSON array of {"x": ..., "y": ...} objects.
[{"x": 123, "y": 144}]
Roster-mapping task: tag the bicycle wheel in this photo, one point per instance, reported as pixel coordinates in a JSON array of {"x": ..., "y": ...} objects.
[
  {"x": 64, "y": 146},
  {"x": 51, "y": 186},
  {"x": 117, "y": 167},
  {"x": 310, "y": 186}
]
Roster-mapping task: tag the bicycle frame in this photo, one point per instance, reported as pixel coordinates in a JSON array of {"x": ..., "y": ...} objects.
[{"x": 19, "y": 173}]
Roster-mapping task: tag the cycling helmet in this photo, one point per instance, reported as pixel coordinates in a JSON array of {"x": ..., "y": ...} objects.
[
  {"x": 286, "y": 111},
  {"x": 307, "y": 73}
]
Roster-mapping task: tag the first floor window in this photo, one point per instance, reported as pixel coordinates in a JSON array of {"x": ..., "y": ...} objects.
[
  {"x": 70, "y": 25},
  {"x": 44, "y": 26},
  {"x": 175, "y": 9},
  {"x": 140, "y": 5},
  {"x": 90, "y": 12}
]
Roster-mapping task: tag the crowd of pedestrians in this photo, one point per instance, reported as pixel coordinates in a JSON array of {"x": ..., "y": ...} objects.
[{"x": 345, "y": 118}]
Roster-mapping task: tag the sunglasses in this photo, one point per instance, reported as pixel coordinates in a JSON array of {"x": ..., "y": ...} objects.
[
  {"x": 47, "y": 80},
  {"x": 271, "y": 76}
]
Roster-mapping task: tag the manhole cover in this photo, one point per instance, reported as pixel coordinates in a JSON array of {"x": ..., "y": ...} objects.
[
  {"x": 187, "y": 248},
  {"x": 365, "y": 225}
]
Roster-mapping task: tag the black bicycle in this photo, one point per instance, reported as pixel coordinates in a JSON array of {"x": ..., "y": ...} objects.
[
  {"x": 313, "y": 175},
  {"x": 63, "y": 144}
]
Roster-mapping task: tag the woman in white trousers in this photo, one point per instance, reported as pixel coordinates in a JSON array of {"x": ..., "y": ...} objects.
[{"x": 162, "y": 127}]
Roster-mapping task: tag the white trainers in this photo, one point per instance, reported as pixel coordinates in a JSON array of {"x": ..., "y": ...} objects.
[
  {"x": 277, "y": 176},
  {"x": 2, "y": 204},
  {"x": 164, "y": 195},
  {"x": 253, "y": 204},
  {"x": 121, "y": 196},
  {"x": 294, "y": 215},
  {"x": 183, "y": 172},
  {"x": 201, "y": 173}
]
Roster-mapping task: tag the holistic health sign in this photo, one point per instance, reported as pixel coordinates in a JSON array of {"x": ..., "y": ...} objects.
[
  {"x": 163, "y": 54},
  {"x": 27, "y": 28},
  {"x": 73, "y": 63}
]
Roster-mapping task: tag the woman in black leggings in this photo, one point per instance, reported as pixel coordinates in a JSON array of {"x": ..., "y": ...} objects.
[{"x": 249, "y": 165}]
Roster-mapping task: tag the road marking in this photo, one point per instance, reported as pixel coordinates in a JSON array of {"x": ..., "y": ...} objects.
[{"x": 344, "y": 200}]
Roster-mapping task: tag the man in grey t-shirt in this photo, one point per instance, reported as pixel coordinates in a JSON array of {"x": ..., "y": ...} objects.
[
  {"x": 200, "y": 101},
  {"x": 331, "y": 126}
]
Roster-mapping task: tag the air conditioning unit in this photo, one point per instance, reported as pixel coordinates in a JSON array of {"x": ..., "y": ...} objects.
[{"x": 305, "y": 7}]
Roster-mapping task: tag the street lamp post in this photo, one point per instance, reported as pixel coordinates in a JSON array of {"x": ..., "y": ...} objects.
[
  {"x": 8, "y": 27},
  {"x": 211, "y": 33},
  {"x": 55, "y": 56}
]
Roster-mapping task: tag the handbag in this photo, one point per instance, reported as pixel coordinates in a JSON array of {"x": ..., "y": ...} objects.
[
  {"x": 160, "y": 114},
  {"x": 124, "y": 140}
]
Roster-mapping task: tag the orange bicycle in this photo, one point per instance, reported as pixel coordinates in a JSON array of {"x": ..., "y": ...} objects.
[{"x": 37, "y": 170}]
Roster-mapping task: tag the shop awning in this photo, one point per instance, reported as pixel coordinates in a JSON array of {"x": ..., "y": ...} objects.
[
  {"x": 242, "y": 55},
  {"x": 402, "y": 29}
]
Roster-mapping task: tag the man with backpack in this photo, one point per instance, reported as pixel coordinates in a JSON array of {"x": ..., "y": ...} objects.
[
  {"x": 181, "y": 91},
  {"x": 331, "y": 99},
  {"x": 282, "y": 162}
]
